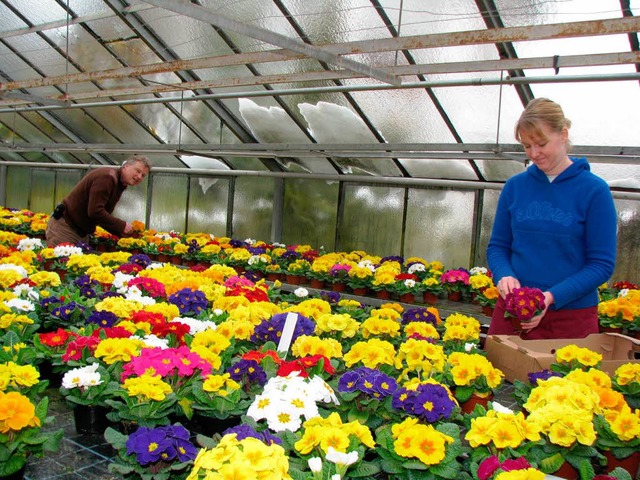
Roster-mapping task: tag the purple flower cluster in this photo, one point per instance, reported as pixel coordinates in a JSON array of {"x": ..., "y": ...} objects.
[
  {"x": 419, "y": 314},
  {"x": 429, "y": 402},
  {"x": 86, "y": 286},
  {"x": 140, "y": 259},
  {"x": 64, "y": 311},
  {"x": 244, "y": 431},
  {"x": 535, "y": 377},
  {"x": 189, "y": 302},
  {"x": 151, "y": 445},
  {"x": 249, "y": 370},
  {"x": 330, "y": 296},
  {"x": 103, "y": 318},
  {"x": 270, "y": 330},
  {"x": 367, "y": 380}
]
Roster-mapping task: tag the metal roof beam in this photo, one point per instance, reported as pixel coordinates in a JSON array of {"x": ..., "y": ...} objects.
[
  {"x": 620, "y": 58},
  {"x": 204, "y": 14},
  {"x": 474, "y": 37},
  {"x": 474, "y": 82}
]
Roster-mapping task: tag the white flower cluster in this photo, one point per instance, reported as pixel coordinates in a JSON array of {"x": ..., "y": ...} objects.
[
  {"x": 30, "y": 244},
  {"x": 195, "y": 325},
  {"x": 66, "y": 251},
  {"x": 82, "y": 377},
  {"x": 478, "y": 271},
  {"x": 286, "y": 400},
  {"x": 416, "y": 267}
]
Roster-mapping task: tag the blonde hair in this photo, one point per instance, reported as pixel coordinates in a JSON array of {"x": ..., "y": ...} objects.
[{"x": 541, "y": 111}]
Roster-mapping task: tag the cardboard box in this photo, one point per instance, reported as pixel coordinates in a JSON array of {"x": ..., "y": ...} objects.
[{"x": 517, "y": 357}]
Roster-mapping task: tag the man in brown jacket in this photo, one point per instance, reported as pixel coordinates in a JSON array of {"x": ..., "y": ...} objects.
[{"x": 92, "y": 201}]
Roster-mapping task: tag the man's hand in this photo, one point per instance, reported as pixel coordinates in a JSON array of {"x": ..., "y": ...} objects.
[{"x": 128, "y": 229}]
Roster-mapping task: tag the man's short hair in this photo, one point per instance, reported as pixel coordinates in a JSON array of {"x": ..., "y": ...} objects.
[{"x": 144, "y": 160}]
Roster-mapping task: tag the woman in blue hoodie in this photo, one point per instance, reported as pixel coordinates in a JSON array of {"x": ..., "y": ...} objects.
[{"x": 555, "y": 229}]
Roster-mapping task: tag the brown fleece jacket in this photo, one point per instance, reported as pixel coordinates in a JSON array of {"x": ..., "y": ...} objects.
[{"x": 92, "y": 200}]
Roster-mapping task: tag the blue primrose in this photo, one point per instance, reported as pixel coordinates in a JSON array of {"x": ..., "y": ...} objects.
[
  {"x": 367, "y": 380},
  {"x": 189, "y": 301},
  {"x": 151, "y": 445},
  {"x": 103, "y": 318},
  {"x": 419, "y": 314},
  {"x": 429, "y": 402},
  {"x": 244, "y": 431},
  {"x": 271, "y": 329},
  {"x": 249, "y": 369},
  {"x": 535, "y": 377}
]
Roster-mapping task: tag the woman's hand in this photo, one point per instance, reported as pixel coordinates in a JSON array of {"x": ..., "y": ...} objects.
[
  {"x": 506, "y": 285},
  {"x": 535, "y": 321}
]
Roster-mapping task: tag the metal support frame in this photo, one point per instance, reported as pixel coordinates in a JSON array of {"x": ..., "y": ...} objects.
[{"x": 204, "y": 14}]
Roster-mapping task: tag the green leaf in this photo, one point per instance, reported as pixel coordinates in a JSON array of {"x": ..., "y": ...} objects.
[{"x": 366, "y": 470}]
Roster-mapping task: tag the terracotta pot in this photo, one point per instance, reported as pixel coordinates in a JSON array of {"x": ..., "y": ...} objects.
[
  {"x": 610, "y": 329},
  {"x": 272, "y": 277},
  {"x": 315, "y": 283},
  {"x": 630, "y": 464},
  {"x": 383, "y": 294},
  {"x": 430, "y": 298},
  {"x": 293, "y": 280},
  {"x": 407, "y": 298},
  {"x": 470, "y": 405},
  {"x": 360, "y": 291},
  {"x": 176, "y": 259},
  {"x": 454, "y": 296},
  {"x": 163, "y": 258},
  {"x": 339, "y": 287}
]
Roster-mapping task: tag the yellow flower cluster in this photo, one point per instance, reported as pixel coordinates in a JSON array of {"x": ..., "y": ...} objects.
[
  {"x": 222, "y": 385},
  {"x": 480, "y": 281},
  {"x": 563, "y": 409},
  {"x": 332, "y": 432},
  {"x": 119, "y": 306},
  {"x": 422, "y": 329},
  {"x": 628, "y": 373},
  {"x": 572, "y": 354},
  {"x": 45, "y": 279},
  {"x": 13, "y": 375},
  {"x": 17, "y": 412},
  {"x": 470, "y": 326},
  {"x": 337, "y": 323},
  {"x": 9, "y": 319},
  {"x": 386, "y": 273},
  {"x": 421, "y": 356},
  {"x": 523, "y": 474},
  {"x": 424, "y": 442},
  {"x": 377, "y": 327},
  {"x": 371, "y": 353},
  {"x": 626, "y": 308},
  {"x": 147, "y": 387},
  {"x": 241, "y": 459},
  {"x": 307, "y": 345},
  {"x": 79, "y": 263},
  {"x": 502, "y": 430},
  {"x": 112, "y": 350},
  {"x": 468, "y": 369}
]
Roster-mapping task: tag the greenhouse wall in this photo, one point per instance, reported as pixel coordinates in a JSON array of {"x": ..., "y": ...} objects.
[{"x": 445, "y": 224}]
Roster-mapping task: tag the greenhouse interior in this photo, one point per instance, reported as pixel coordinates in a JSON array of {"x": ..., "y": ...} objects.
[{"x": 302, "y": 275}]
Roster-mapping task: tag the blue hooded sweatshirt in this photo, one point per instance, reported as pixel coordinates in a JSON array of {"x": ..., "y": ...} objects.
[{"x": 559, "y": 236}]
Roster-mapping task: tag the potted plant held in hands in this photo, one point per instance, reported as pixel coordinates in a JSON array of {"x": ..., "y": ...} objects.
[{"x": 522, "y": 304}]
